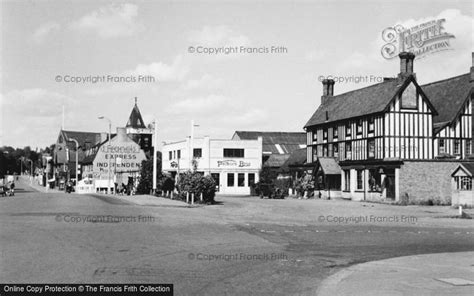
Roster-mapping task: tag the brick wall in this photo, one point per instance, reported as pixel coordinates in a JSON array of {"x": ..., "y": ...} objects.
[{"x": 424, "y": 180}]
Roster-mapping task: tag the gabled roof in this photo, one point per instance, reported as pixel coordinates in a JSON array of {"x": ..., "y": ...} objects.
[
  {"x": 468, "y": 167},
  {"x": 275, "y": 142},
  {"x": 135, "y": 119},
  {"x": 276, "y": 160},
  {"x": 448, "y": 96},
  {"x": 297, "y": 158},
  {"x": 359, "y": 102},
  {"x": 81, "y": 137}
]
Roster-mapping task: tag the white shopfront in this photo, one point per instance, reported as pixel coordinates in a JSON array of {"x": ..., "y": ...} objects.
[{"x": 234, "y": 164}]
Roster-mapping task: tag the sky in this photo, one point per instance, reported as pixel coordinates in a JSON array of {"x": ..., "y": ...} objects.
[{"x": 94, "y": 57}]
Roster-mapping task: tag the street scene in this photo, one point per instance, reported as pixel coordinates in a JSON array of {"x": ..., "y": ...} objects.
[{"x": 237, "y": 148}]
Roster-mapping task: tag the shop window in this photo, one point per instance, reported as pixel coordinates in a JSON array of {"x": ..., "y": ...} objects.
[
  {"x": 347, "y": 180},
  {"x": 457, "y": 146},
  {"x": 359, "y": 127},
  {"x": 241, "y": 180},
  {"x": 441, "y": 146},
  {"x": 197, "y": 152},
  {"x": 360, "y": 179},
  {"x": 348, "y": 150},
  {"x": 375, "y": 180},
  {"x": 251, "y": 180},
  {"x": 235, "y": 153},
  {"x": 230, "y": 180},
  {"x": 463, "y": 183},
  {"x": 371, "y": 148}
]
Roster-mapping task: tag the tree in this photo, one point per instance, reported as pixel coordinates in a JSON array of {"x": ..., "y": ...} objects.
[{"x": 145, "y": 184}]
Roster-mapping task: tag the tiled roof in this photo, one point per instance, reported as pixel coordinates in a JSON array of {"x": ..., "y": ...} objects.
[
  {"x": 448, "y": 96},
  {"x": 275, "y": 142},
  {"x": 276, "y": 160},
  {"x": 135, "y": 120},
  {"x": 468, "y": 166},
  {"x": 297, "y": 158},
  {"x": 359, "y": 102},
  {"x": 81, "y": 137},
  {"x": 329, "y": 165}
]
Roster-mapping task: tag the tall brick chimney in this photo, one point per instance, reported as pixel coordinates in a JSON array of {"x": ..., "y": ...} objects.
[
  {"x": 328, "y": 90},
  {"x": 406, "y": 64}
]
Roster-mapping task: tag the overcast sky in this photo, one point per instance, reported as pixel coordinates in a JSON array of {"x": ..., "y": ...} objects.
[{"x": 41, "y": 40}]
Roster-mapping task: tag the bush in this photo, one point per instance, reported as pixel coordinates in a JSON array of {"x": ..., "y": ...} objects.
[{"x": 196, "y": 183}]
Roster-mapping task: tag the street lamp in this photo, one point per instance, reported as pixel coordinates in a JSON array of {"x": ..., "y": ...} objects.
[
  {"x": 110, "y": 128},
  {"x": 77, "y": 158}
]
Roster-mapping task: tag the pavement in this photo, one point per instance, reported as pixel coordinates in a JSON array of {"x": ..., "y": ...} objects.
[{"x": 429, "y": 274}]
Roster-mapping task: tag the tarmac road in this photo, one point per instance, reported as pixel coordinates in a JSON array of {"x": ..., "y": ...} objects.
[{"x": 243, "y": 246}]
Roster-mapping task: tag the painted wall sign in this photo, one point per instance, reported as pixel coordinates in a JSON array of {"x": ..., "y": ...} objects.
[{"x": 232, "y": 163}]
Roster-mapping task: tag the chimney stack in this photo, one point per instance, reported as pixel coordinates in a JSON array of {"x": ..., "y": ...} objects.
[
  {"x": 328, "y": 90},
  {"x": 406, "y": 64}
]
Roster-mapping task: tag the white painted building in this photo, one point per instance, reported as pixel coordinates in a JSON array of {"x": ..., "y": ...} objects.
[{"x": 234, "y": 164}]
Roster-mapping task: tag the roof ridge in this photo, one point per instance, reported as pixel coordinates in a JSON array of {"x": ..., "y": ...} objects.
[
  {"x": 444, "y": 80},
  {"x": 368, "y": 86}
]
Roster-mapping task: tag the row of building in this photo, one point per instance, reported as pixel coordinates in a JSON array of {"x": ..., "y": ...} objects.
[{"x": 392, "y": 140}]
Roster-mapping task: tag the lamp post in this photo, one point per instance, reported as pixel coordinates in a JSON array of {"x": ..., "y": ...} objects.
[
  {"x": 108, "y": 142},
  {"x": 31, "y": 171},
  {"x": 77, "y": 158}
]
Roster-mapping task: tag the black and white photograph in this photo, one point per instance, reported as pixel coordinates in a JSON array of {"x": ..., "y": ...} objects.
[{"x": 236, "y": 147}]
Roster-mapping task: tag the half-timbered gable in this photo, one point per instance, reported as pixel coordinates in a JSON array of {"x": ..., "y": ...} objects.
[{"x": 453, "y": 127}]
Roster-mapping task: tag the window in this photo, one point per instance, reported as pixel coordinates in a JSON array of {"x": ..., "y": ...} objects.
[
  {"x": 146, "y": 144},
  {"x": 360, "y": 179},
  {"x": 230, "y": 180},
  {"x": 347, "y": 180},
  {"x": 336, "y": 150},
  {"x": 241, "y": 180},
  {"x": 174, "y": 154},
  {"x": 348, "y": 150},
  {"x": 233, "y": 152},
  {"x": 359, "y": 127},
  {"x": 325, "y": 150},
  {"x": 216, "y": 178},
  {"x": 334, "y": 132},
  {"x": 371, "y": 124},
  {"x": 170, "y": 156},
  {"x": 251, "y": 180},
  {"x": 441, "y": 146},
  {"x": 315, "y": 136},
  {"x": 197, "y": 152},
  {"x": 325, "y": 134},
  {"x": 371, "y": 148},
  {"x": 348, "y": 130},
  {"x": 375, "y": 180},
  {"x": 457, "y": 145},
  {"x": 468, "y": 147},
  {"x": 179, "y": 154},
  {"x": 463, "y": 183}
]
